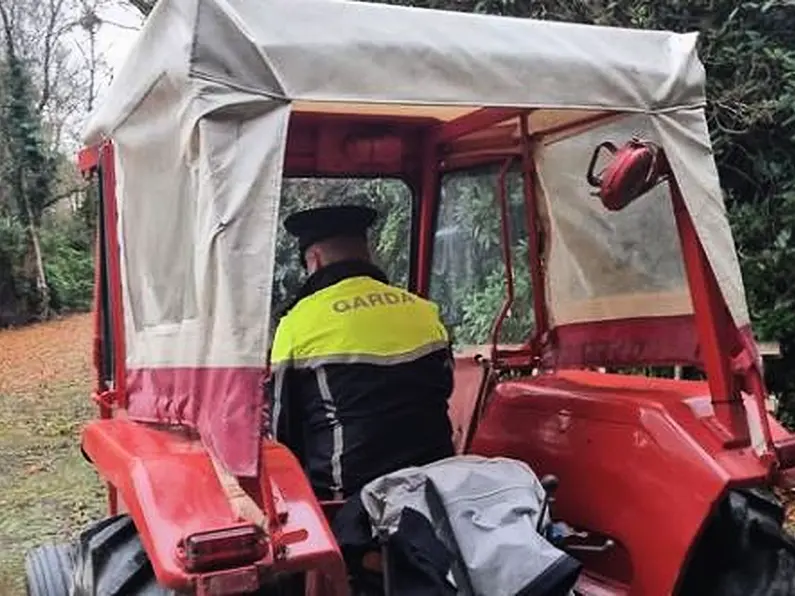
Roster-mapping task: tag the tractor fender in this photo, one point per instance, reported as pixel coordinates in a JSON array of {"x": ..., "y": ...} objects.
[
  {"x": 167, "y": 484},
  {"x": 636, "y": 459}
]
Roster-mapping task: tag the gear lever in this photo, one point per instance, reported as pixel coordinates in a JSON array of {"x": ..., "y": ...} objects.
[{"x": 550, "y": 482}]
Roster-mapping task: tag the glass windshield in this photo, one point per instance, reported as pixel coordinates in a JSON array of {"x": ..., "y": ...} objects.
[
  {"x": 468, "y": 275},
  {"x": 389, "y": 237}
]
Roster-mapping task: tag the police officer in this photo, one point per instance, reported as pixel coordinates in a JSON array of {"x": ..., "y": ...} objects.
[{"x": 361, "y": 370}]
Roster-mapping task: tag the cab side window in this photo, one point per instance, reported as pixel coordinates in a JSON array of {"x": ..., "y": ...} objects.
[{"x": 468, "y": 274}]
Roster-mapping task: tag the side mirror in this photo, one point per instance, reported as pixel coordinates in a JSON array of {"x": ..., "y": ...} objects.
[{"x": 635, "y": 168}]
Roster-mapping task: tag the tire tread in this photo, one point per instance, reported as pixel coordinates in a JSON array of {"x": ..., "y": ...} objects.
[
  {"x": 744, "y": 550},
  {"x": 48, "y": 570},
  {"x": 111, "y": 561}
]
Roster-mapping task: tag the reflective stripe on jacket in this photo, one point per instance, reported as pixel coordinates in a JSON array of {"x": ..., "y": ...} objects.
[{"x": 362, "y": 372}]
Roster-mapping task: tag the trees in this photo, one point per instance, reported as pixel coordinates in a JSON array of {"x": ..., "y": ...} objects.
[
  {"x": 47, "y": 84},
  {"x": 28, "y": 168}
]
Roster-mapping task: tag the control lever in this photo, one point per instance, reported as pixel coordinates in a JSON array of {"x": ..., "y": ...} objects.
[
  {"x": 559, "y": 532},
  {"x": 593, "y": 548},
  {"x": 550, "y": 482}
]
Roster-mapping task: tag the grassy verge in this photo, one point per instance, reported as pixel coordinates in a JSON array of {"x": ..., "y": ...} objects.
[{"x": 47, "y": 490}]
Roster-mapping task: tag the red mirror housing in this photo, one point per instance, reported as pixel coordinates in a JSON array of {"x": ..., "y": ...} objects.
[{"x": 635, "y": 168}]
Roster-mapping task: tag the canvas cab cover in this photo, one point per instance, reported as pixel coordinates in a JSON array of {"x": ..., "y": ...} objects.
[{"x": 200, "y": 116}]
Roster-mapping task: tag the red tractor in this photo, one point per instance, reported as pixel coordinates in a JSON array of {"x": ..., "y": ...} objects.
[{"x": 592, "y": 149}]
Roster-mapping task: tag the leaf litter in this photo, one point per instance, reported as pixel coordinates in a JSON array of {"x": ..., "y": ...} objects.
[{"x": 48, "y": 492}]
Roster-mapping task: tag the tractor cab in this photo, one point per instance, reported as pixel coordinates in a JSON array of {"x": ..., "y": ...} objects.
[{"x": 550, "y": 186}]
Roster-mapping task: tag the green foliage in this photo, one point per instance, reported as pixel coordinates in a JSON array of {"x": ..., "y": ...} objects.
[
  {"x": 468, "y": 279},
  {"x": 27, "y": 179},
  {"x": 28, "y": 170},
  {"x": 30, "y": 175},
  {"x": 769, "y": 266},
  {"x": 763, "y": 232},
  {"x": 751, "y": 61},
  {"x": 69, "y": 263},
  {"x": 14, "y": 285},
  {"x": 481, "y": 306},
  {"x": 389, "y": 237}
]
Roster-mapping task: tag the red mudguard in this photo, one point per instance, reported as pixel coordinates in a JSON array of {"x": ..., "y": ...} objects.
[
  {"x": 637, "y": 462},
  {"x": 169, "y": 487}
]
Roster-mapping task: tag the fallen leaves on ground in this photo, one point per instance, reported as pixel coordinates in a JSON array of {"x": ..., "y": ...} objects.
[
  {"x": 35, "y": 358},
  {"x": 48, "y": 492},
  {"x": 787, "y": 497}
]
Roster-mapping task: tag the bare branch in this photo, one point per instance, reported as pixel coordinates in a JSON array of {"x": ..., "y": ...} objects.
[
  {"x": 49, "y": 39},
  {"x": 120, "y": 26},
  {"x": 144, "y": 6},
  {"x": 63, "y": 195},
  {"x": 8, "y": 31}
]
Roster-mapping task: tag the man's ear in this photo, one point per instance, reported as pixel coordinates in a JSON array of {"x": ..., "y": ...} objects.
[{"x": 313, "y": 259}]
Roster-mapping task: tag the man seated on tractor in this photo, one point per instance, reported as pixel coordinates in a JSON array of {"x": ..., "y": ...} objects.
[{"x": 361, "y": 370}]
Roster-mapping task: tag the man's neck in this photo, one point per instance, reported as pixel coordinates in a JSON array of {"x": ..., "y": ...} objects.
[{"x": 334, "y": 273}]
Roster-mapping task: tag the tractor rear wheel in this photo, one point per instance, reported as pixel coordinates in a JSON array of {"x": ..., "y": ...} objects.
[
  {"x": 110, "y": 560},
  {"x": 48, "y": 570},
  {"x": 744, "y": 550}
]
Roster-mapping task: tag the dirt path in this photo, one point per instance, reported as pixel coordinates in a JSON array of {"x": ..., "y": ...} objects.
[{"x": 47, "y": 490}]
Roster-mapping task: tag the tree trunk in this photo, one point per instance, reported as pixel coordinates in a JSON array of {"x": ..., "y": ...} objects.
[{"x": 42, "y": 287}]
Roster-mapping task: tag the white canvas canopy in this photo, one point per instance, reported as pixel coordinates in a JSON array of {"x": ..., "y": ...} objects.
[{"x": 199, "y": 117}]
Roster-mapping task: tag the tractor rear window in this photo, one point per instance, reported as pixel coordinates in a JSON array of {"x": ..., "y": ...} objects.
[
  {"x": 468, "y": 275},
  {"x": 390, "y": 236}
]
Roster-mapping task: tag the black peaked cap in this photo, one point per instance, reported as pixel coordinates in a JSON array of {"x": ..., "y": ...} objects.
[{"x": 321, "y": 223}]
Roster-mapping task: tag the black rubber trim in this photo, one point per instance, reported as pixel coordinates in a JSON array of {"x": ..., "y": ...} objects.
[
  {"x": 744, "y": 550},
  {"x": 110, "y": 560},
  {"x": 48, "y": 570}
]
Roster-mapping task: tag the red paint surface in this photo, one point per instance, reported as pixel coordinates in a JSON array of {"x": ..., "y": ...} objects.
[
  {"x": 717, "y": 334},
  {"x": 100, "y": 386},
  {"x": 224, "y": 404},
  {"x": 636, "y": 458},
  {"x": 113, "y": 256},
  {"x": 170, "y": 488},
  {"x": 461, "y": 407},
  {"x": 88, "y": 159},
  {"x": 473, "y": 122},
  {"x": 429, "y": 199},
  {"x": 624, "y": 342},
  {"x": 331, "y": 145},
  {"x": 535, "y": 235},
  {"x": 507, "y": 261}
]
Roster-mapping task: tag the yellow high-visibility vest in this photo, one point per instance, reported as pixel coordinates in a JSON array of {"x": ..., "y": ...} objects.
[{"x": 358, "y": 320}]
